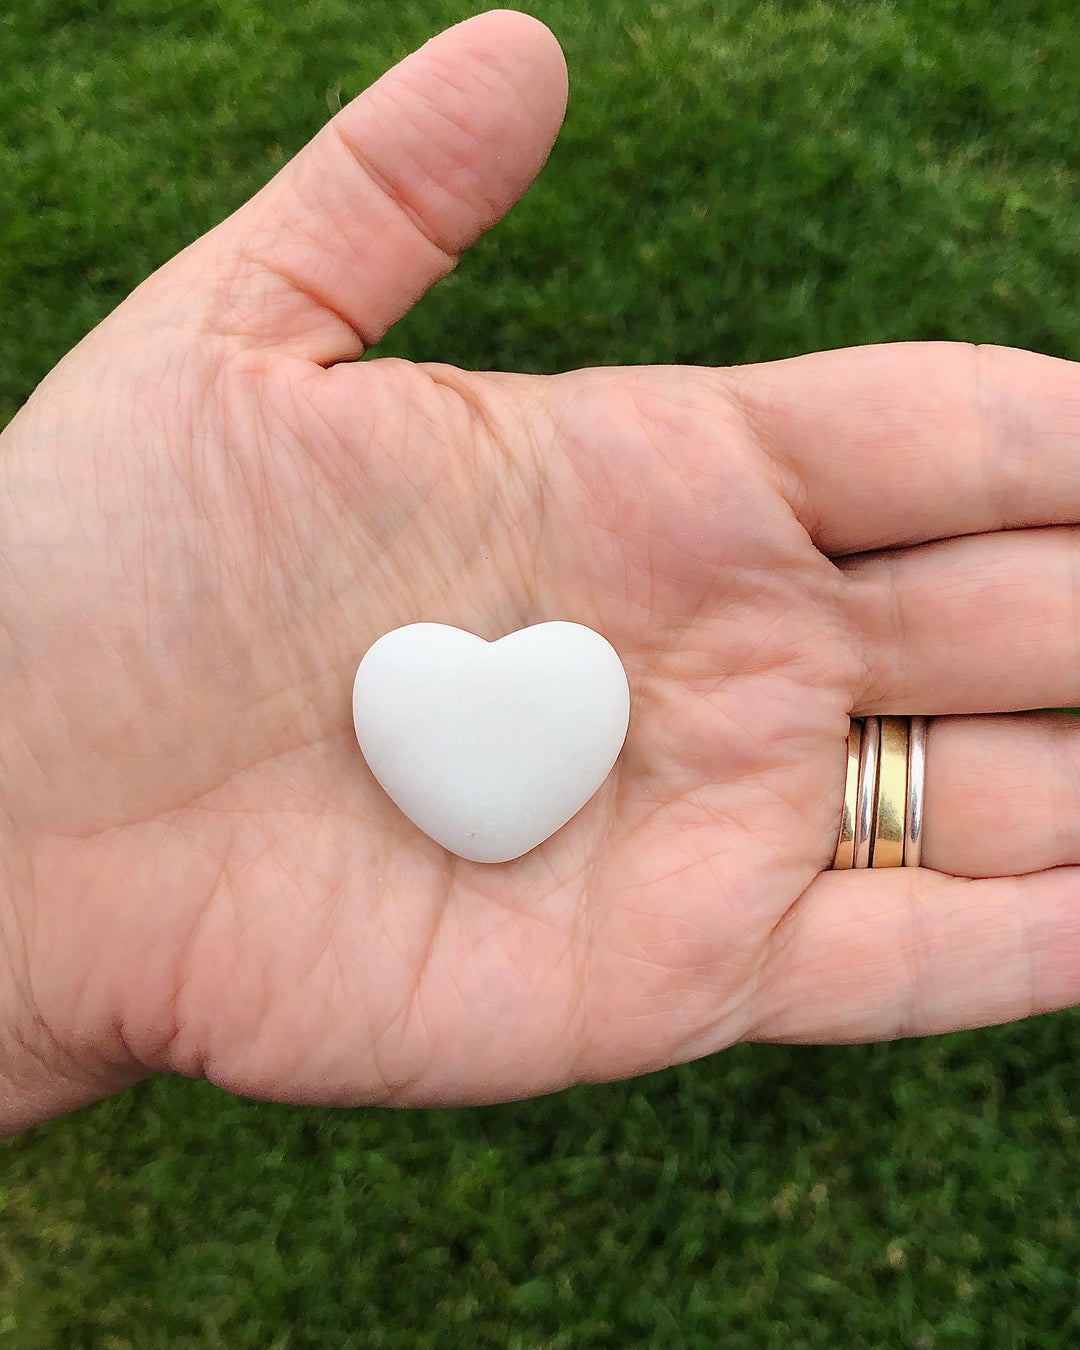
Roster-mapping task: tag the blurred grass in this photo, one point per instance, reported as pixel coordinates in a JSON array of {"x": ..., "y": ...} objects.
[
  {"x": 910, "y": 1195},
  {"x": 735, "y": 181}
]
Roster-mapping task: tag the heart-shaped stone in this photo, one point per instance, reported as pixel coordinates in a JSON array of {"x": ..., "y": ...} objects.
[{"x": 490, "y": 747}]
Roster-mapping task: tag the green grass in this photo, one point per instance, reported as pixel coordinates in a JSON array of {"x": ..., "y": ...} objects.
[
  {"x": 913, "y": 1195},
  {"x": 735, "y": 181}
]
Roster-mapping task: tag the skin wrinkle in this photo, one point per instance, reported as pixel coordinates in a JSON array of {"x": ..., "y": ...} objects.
[
  {"x": 641, "y": 927},
  {"x": 450, "y": 572},
  {"x": 353, "y": 341},
  {"x": 1073, "y": 581},
  {"x": 252, "y": 269},
  {"x": 792, "y": 487},
  {"x": 976, "y": 428},
  {"x": 203, "y": 799},
  {"x": 1005, "y": 487},
  {"x": 898, "y": 651},
  {"x": 581, "y": 1005},
  {"x": 899, "y": 599},
  {"x": 917, "y": 1009},
  {"x": 585, "y": 460},
  {"x": 445, "y": 258},
  {"x": 502, "y": 465},
  {"x": 281, "y": 899},
  {"x": 573, "y": 1019},
  {"x": 843, "y": 634},
  {"x": 132, "y": 1037},
  {"x": 1067, "y": 832},
  {"x": 302, "y": 381},
  {"x": 516, "y": 462},
  {"x": 666, "y": 442},
  {"x": 359, "y": 340},
  {"x": 858, "y": 612},
  {"x": 329, "y": 904},
  {"x": 398, "y": 1086},
  {"x": 1011, "y": 489},
  {"x": 178, "y": 1053},
  {"x": 286, "y": 891},
  {"x": 728, "y": 713},
  {"x": 453, "y": 128},
  {"x": 21, "y": 1023},
  {"x": 1049, "y": 949},
  {"x": 412, "y": 1002},
  {"x": 783, "y": 945},
  {"x": 912, "y": 945},
  {"x": 334, "y": 235},
  {"x": 1042, "y": 813},
  {"x": 66, "y": 1053}
]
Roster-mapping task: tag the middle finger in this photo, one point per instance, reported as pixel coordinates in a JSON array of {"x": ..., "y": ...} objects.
[
  {"x": 983, "y": 623},
  {"x": 1002, "y": 794}
]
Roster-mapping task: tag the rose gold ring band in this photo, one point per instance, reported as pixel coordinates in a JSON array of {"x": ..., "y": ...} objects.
[{"x": 882, "y": 813}]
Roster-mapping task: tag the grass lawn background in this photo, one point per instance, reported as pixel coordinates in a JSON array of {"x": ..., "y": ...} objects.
[{"x": 736, "y": 181}]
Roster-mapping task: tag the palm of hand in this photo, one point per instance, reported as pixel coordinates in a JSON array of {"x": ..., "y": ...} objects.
[
  {"x": 207, "y": 522},
  {"x": 298, "y": 934}
]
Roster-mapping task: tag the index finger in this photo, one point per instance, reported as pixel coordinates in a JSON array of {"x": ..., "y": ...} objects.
[{"x": 907, "y": 442}]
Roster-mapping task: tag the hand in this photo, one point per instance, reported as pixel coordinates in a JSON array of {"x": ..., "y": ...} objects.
[{"x": 209, "y": 511}]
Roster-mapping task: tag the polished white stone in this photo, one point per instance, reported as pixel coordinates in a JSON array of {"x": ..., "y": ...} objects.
[{"x": 490, "y": 747}]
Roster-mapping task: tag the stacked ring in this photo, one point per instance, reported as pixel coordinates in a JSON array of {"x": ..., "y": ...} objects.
[
  {"x": 916, "y": 775},
  {"x": 882, "y": 814},
  {"x": 845, "y": 848},
  {"x": 868, "y": 771},
  {"x": 890, "y": 798}
]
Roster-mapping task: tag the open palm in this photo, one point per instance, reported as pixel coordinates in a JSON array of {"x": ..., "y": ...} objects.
[{"x": 211, "y": 511}]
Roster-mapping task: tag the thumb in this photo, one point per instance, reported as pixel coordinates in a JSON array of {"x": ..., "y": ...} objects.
[{"x": 378, "y": 207}]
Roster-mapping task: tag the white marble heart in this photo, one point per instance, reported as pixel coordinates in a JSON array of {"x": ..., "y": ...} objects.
[{"x": 490, "y": 747}]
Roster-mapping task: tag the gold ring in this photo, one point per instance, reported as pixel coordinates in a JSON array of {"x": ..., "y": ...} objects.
[
  {"x": 845, "y": 845},
  {"x": 890, "y": 806},
  {"x": 868, "y": 774}
]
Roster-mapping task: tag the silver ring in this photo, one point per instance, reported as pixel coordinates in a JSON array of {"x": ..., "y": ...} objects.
[
  {"x": 868, "y": 772},
  {"x": 916, "y": 777}
]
